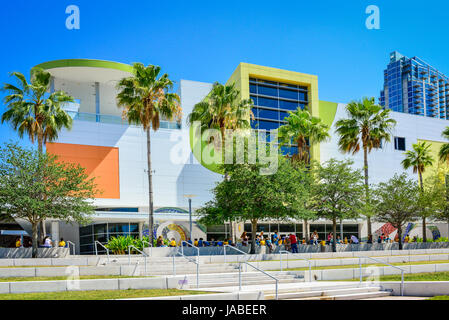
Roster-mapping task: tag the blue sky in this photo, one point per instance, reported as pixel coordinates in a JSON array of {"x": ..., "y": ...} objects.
[{"x": 206, "y": 40}]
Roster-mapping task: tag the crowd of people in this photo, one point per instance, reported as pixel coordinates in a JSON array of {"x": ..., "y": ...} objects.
[
  {"x": 289, "y": 241},
  {"x": 46, "y": 243}
]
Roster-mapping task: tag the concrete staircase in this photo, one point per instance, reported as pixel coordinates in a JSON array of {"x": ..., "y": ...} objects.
[
  {"x": 248, "y": 278},
  {"x": 331, "y": 292}
]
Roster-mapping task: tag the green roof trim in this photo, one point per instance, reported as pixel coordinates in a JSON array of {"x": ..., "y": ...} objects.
[
  {"x": 328, "y": 111},
  {"x": 86, "y": 63}
]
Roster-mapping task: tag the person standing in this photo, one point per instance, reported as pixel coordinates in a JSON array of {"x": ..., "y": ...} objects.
[
  {"x": 315, "y": 238},
  {"x": 294, "y": 243}
]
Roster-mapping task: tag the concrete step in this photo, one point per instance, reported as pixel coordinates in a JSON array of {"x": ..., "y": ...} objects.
[
  {"x": 354, "y": 296},
  {"x": 236, "y": 283},
  {"x": 323, "y": 293}
]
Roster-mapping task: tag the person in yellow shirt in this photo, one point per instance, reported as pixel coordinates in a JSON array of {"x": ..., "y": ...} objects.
[
  {"x": 18, "y": 243},
  {"x": 195, "y": 243},
  {"x": 62, "y": 243},
  {"x": 226, "y": 243},
  {"x": 262, "y": 242},
  {"x": 173, "y": 243},
  {"x": 280, "y": 242},
  {"x": 346, "y": 240}
]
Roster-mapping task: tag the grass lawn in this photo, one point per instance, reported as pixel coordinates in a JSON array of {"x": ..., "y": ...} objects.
[
  {"x": 440, "y": 298},
  {"x": 98, "y": 295},
  {"x": 434, "y": 276},
  {"x": 17, "y": 267},
  {"x": 367, "y": 265},
  {"x": 17, "y": 279}
]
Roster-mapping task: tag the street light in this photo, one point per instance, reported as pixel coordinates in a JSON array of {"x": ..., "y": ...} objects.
[{"x": 190, "y": 197}]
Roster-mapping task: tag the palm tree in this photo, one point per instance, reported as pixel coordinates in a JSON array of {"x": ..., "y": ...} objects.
[
  {"x": 419, "y": 159},
  {"x": 304, "y": 130},
  {"x": 33, "y": 111},
  {"x": 36, "y": 112},
  {"x": 368, "y": 126},
  {"x": 444, "y": 151},
  {"x": 146, "y": 99},
  {"x": 223, "y": 110}
]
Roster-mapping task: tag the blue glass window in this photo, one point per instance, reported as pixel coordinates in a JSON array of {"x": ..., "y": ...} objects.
[
  {"x": 254, "y": 100},
  {"x": 268, "y": 114},
  {"x": 265, "y": 102},
  {"x": 253, "y": 88},
  {"x": 268, "y": 91},
  {"x": 255, "y": 112},
  {"x": 288, "y": 105},
  {"x": 283, "y": 115},
  {"x": 268, "y": 125},
  {"x": 288, "y": 94},
  {"x": 303, "y": 96}
]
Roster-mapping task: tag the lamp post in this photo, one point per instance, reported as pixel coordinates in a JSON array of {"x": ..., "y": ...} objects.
[{"x": 190, "y": 197}]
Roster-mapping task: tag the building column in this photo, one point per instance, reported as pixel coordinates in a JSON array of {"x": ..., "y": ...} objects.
[
  {"x": 55, "y": 233},
  {"x": 97, "y": 101},
  {"x": 141, "y": 230}
]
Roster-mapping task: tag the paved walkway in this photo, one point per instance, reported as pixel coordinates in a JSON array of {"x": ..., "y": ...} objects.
[
  {"x": 297, "y": 286},
  {"x": 398, "y": 298}
]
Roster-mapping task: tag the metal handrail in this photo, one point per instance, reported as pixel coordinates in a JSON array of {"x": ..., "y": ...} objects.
[
  {"x": 149, "y": 246},
  {"x": 70, "y": 243},
  {"x": 96, "y": 250},
  {"x": 191, "y": 245},
  {"x": 190, "y": 260},
  {"x": 288, "y": 253},
  {"x": 265, "y": 273},
  {"x": 386, "y": 263},
  {"x": 234, "y": 248},
  {"x": 141, "y": 252},
  {"x": 238, "y": 250}
]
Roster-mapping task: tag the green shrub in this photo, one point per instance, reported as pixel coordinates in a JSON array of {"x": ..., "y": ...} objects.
[{"x": 119, "y": 245}]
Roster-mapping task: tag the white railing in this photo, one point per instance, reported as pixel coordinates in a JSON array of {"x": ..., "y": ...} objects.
[
  {"x": 190, "y": 245},
  {"x": 239, "y": 251},
  {"x": 190, "y": 260},
  {"x": 382, "y": 262},
  {"x": 141, "y": 252},
  {"x": 96, "y": 250},
  {"x": 289, "y": 253},
  {"x": 149, "y": 246},
  {"x": 265, "y": 273},
  {"x": 70, "y": 243}
]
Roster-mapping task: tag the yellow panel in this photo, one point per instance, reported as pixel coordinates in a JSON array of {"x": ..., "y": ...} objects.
[
  {"x": 438, "y": 166},
  {"x": 245, "y": 71}
]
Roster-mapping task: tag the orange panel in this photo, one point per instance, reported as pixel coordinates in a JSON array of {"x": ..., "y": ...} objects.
[{"x": 99, "y": 162}]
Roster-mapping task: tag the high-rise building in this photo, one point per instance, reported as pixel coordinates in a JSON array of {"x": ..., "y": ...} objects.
[{"x": 413, "y": 86}]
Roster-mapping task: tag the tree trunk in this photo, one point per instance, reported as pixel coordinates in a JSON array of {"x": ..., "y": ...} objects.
[
  {"x": 334, "y": 230},
  {"x": 150, "y": 188},
  {"x": 306, "y": 231},
  {"x": 253, "y": 236},
  {"x": 341, "y": 230},
  {"x": 365, "y": 169},
  {"x": 42, "y": 231},
  {"x": 424, "y": 229},
  {"x": 400, "y": 237},
  {"x": 40, "y": 148},
  {"x": 35, "y": 240}
]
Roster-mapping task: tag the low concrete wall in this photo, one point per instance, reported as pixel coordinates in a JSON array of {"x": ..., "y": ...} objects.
[
  {"x": 418, "y": 288},
  {"x": 373, "y": 272},
  {"x": 23, "y": 253},
  {"x": 87, "y": 285},
  {"x": 214, "y": 296},
  {"x": 349, "y": 248}
]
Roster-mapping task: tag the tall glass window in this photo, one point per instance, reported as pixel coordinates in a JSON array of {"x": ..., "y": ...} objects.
[{"x": 273, "y": 101}]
